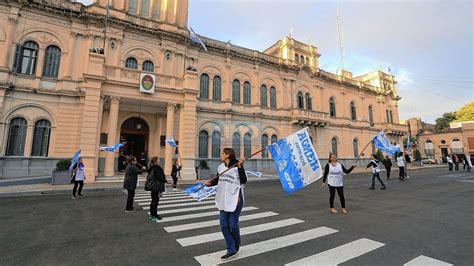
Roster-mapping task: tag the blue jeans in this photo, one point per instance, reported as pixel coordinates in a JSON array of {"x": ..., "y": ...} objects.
[{"x": 230, "y": 227}]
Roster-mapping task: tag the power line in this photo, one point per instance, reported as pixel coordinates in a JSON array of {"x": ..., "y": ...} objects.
[{"x": 431, "y": 92}]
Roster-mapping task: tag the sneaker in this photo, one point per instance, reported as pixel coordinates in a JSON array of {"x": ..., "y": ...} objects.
[
  {"x": 132, "y": 210},
  {"x": 80, "y": 195},
  {"x": 343, "y": 211},
  {"x": 332, "y": 210},
  {"x": 227, "y": 256},
  {"x": 383, "y": 187},
  {"x": 157, "y": 217},
  {"x": 73, "y": 197},
  {"x": 175, "y": 189},
  {"x": 371, "y": 188}
]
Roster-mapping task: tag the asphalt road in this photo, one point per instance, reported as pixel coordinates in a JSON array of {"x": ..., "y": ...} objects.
[{"x": 430, "y": 214}]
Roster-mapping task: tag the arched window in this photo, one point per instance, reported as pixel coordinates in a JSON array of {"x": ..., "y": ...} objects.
[
  {"x": 371, "y": 116},
  {"x": 52, "y": 58},
  {"x": 236, "y": 91},
  {"x": 203, "y": 144},
  {"x": 247, "y": 94},
  {"x": 391, "y": 117},
  {"x": 145, "y": 8},
  {"x": 131, "y": 63},
  {"x": 309, "y": 102},
  {"x": 148, "y": 66},
  {"x": 216, "y": 88},
  {"x": 41, "y": 138},
  {"x": 274, "y": 139},
  {"x": 247, "y": 145},
  {"x": 216, "y": 144},
  {"x": 300, "y": 100},
  {"x": 301, "y": 59},
  {"x": 297, "y": 58},
  {"x": 307, "y": 60},
  {"x": 16, "y": 137},
  {"x": 236, "y": 144},
  {"x": 264, "y": 143},
  {"x": 273, "y": 98},
  {"x": 332, "y": 107},
  {"x": 204, "y": 87},
  {"x": 132, "y": 7},
  {"x": 263, "y": 96},
  {"x": 355, "y": 146},
  {"x": 334, "y": 146},
  {"x": 353, "y": 111},
  {"x": 25, "y": 58}
]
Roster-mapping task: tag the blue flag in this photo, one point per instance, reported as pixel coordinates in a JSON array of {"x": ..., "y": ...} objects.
[
  {"x": 195, "y": 38},
  {"x": 382, "y": 143},
  {"x": 200, "y": 191},
  {"x": 171, "y": 142},
  {"x": 113, "y": 148},
  {"x": 296, "y": 161},
  {"x": 75, "y": 159},
  {"x": 408, "y": 142}
]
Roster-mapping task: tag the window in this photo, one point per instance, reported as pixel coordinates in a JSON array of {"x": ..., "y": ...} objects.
[
  {"x": 16, "y": 137},
  {"x": 353, "y": 111},
  {"x": 300, "y": 100},
  {"x": 236, "y": 144},
  {"x": 52, "y": 58},
  {"x": 273, "y": 100},
  {"x": 216, "y": 88},
  {"x": 204, "y": 87},
  {"x": 332, "y": 107},
  {"x": 148, "y": 66},
  {"x": 355, "y": 146},
  {"x": 264, "y": 143},
  {"x": 247, "y": 94},
  {"x": 132, "y": 7},
  {"x": 263, "y": 96},
  {"x": 145, "y": 8},
  {"x": 391, "y": 117},
  {"x": 334, "y": 146},
  {"x": 301, "y": 59},
  {"x": 297, "y": 58},
  {"x": 236, "y": 91},
  {"x": 309, "y": 102},
  {"x": 371, "y": 116},
  {"x": 274, "y": 139},
  {"x": 131, "y": 63},
  {"x": 247, "y": 145},
  {"x": 443, "y": 141},
  {"x": 25, "y": 58},
  {"x": 41, "y": 138},
  {"x": 203, "y": 147},
  {"x": 216, "y": 144}
]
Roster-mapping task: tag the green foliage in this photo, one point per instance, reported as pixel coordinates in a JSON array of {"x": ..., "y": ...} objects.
[
  {"x": 63, "y": 165},
  {"x": 380, "y": 155},
  {"x": 466, "y": 113},
  {"x": 417, "y": 155},
  {"x": 443, "y": 122},
  {"x": 203, "y": 164}
]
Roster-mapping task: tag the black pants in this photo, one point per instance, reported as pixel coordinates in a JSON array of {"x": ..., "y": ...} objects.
[
  {"x": 154, "y": 203},
  {"x": 131, "y": 195},
  {"x": 450, "y": 166},
  {"x": 332, "y": 194},
  {"x": 401, "y": 173},
  {"x": 388, "y": 171},
  {"x": 377, "y": 175},
  {"x": 456, "y": 166},
  {"x": 81, "y": 184},
  {"x": 175, "y": 181}
]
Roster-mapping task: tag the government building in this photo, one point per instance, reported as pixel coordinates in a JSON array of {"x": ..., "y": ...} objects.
[{"x": 68, "y": 84}]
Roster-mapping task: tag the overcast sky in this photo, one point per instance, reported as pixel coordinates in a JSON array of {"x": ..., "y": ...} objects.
[{"x": 427, "y": 44}]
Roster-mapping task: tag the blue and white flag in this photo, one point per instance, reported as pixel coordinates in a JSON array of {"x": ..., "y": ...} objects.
[
  {"x": 171, "y": 142},
  {"x": 296, "y": 161},
  {"x": 195, "y": 38},
  {"x": 257, "y": 174},
  {"x": 75, "y": 159},
  {"x": 382, "y": 143},
  {"x": 408, "y": 142},
  {"x": 200, "y": 191},
  {"x": 113, "y": 148}
]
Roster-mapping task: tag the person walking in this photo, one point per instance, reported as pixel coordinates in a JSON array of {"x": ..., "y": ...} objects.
[
  {"x": 130, "y": 181},
  {"x": 466, "y": 163},
  {"x": 175, "y": 174},
  {"x": 228, "y": 201},
  {"x": 450, "y": 162},
  {"x": 388, "y": 165},
  {"x": 333, "y": 174},
  {"x": 401, "y": 166},
  {"x": 155, "y": 183},
  {"x": 456, "y": 162},
  {"x": 78, "y": 177},
  {"x": 374, "y": 163}
]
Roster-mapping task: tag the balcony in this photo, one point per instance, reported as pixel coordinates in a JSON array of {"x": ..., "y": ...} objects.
[
  {"x": 309, "y": 118},
  {"x": 396, "y": 129},
  {"x": 133, "y": 76}
]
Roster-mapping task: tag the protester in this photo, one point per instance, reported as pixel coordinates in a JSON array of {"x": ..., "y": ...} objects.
[
  {"x": 333, "y": 173},
  {"x": 456, "y": 162},
  {"x": 401, "y": 166},
  {"x": 155, "y": 183},
  {"x": 374, "y": 163},
  {"x": 175, "y": 174},
  {"x": 450, "y": 162},
  {"x": 130, "y": 181},
  {"x": 78, "y": 178},
  {"x": 466, "y": 163},
  {"x": 228, "y": 201},
  {"x": 388, "y": 166},
  {"x": 143, "y": 159}
]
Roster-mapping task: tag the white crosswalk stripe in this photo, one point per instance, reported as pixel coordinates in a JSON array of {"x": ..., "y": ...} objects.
[
  {"x": 162, "y": 198},
  {"x": 425, "y": 261},
  {"x": 339, "y": 254},
  {"x": 197, "y": 215},
  {"x": 212, "y": 206},
  {"x": 178, "y": 205},
  {"x": 163, "y": 204},
  {"x": 199, "y": 239}
]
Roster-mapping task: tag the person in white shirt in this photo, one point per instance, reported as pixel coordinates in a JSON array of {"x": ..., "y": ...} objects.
[
  {"x": 78, "y": 177},
  {"x": 450, "y": 162},
  {"x": 401, "y": 166},
  {"x": 375, "y": 171}
]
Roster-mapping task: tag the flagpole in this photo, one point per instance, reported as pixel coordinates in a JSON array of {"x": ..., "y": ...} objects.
[
  {"x": 362, "y": 151},
  {"x": 107, "y": 8}
]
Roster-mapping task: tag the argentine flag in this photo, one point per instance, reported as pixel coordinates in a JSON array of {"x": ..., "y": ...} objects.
[
  {"x": 75, "y": 159},
  {"x": 171, "y": 142},
  {"x": 195, "y": 38},
  {"x": 382, "y": 143},
  {"x": 200, "y": 191},
  {"x": 113, "y": 148}
]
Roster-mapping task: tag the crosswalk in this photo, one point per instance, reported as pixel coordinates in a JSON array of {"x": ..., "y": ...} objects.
[{"x": 177, "y": 206}]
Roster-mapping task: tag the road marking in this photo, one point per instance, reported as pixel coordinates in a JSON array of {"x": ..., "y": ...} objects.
[
  {"x": 213, "y": 206},
  {"x": 184, "y": 227},
  {"x": 179, "y": 205},
  {"x": 265, "y": 246},
  {"x": 424, "y": 261},
  {"x": 194, "y": 240},
  {"x": 196, "y": 215},
  {"x": 162, "y": 198},
  {"x": 339, "y": 254},
  {"x": 167, "y": 203},
  {"x": 182, "y": 200}
]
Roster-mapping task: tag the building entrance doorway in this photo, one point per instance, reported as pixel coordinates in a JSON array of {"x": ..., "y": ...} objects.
[
  {"x": 444, "y": 153},
  {"x": 134, "y": 135}
]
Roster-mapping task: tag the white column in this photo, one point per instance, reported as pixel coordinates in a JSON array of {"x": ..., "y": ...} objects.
[
  {"x": 169, "y": 133},
  {"x": 112, "y": 135}
]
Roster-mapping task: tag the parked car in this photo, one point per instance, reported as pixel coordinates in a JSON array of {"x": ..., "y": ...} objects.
[{"x": 428, "y": 160}]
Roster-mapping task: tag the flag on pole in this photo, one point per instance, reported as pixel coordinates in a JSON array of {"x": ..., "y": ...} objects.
[
  {"x": 382, "y": 143},
  {"x": 408, "y": 142},
  {"x": 171, "y": 142},
  {"x": 107, "y": 8},
  {"x": 257, "y": 174},
  {"x": 113, "y": 148},
  {"x": 200, "y": 191},
  {"x": 195, "y": 38},
  {"x": 75, "y": 159},
  {"x": 296, "y": 161}
]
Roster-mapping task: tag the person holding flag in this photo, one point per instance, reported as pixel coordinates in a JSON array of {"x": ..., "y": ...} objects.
[
  {"x": 401, "y": 166},
  {"x": 130, "y": 181},
  {"x": 78, "y": 178},
  {"x": 374, "y": 163}
]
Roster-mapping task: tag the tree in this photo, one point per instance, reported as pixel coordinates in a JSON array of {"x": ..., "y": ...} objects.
[
  {"x": 443, "y": 122},
  {"x": 465, "y": 113},
  {"x": 417, "y": 155}
]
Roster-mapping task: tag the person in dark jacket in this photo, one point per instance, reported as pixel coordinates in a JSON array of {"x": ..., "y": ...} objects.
[
  {"x": 175, "y": 173},
  {"x": 130, "y": 181},
  {"x": 388, "y": 165},
  {"x": 156, "y": 176},
  {"x": 374, "y": 163}
]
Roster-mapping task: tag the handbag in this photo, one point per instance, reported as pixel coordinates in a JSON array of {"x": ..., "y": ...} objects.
[{"x": 150, "y": 182}]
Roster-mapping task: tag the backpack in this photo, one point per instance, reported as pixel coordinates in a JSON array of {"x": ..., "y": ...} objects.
[{"x": 150, "y": 183}]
